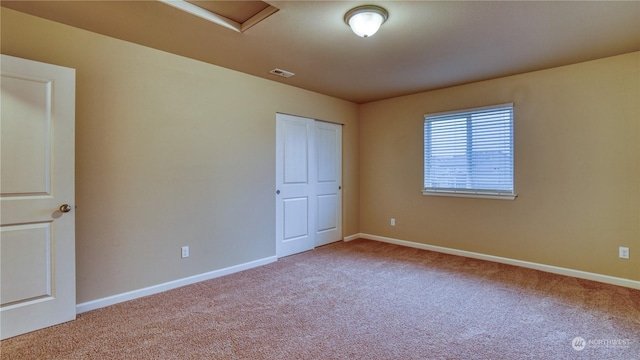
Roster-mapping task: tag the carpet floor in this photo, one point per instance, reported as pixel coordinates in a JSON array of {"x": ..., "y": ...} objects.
[{"x": 358, "y": 300}]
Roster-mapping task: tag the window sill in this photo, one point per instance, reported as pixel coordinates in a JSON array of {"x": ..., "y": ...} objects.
[{"x": 470, "y": 195}]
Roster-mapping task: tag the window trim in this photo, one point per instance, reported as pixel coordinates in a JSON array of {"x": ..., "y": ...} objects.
[{"x": 471, "y": 193}]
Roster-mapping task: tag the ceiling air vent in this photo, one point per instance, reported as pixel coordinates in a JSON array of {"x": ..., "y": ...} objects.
[{"x": 283, "y": 73}]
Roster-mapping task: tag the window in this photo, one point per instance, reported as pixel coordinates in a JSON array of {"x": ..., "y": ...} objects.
[{"x": 469, "y": 153}]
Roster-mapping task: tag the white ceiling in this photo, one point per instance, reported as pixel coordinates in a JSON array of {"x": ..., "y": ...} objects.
[{"x": 424, "y": 45}]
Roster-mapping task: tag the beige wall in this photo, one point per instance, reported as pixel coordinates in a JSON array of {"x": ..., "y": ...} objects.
[
  {"x": 577, "y": 169},
  {"x": 171, "y": 152}
]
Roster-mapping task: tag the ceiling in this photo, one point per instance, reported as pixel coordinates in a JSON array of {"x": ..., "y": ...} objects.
[{"x": 424, "y": 45}]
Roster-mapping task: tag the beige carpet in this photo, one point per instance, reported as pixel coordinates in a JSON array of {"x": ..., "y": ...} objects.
[{"x": 358, "y": 300}]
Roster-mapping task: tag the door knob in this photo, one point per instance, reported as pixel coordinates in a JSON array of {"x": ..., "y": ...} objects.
[
  {"x": 278, "y": 192},
  {"x": 65, "y": 208}
]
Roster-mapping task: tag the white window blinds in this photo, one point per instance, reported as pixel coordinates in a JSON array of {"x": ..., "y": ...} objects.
[{"x": 469, "y": 152}]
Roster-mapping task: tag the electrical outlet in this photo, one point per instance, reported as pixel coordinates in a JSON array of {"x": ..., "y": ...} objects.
[
  {"x": 185, "y": 252},
  {"x": 393, "y": 222},
  {"x": 623, "y": 252}
]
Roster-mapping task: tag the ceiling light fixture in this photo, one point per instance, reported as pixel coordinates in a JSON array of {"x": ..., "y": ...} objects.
[{"x": 366, "y": 20}]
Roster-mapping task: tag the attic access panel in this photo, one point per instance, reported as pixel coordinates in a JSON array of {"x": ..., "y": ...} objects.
[
  {"x": 238, "y": 11},
  {"x": 235, "y": 15}
]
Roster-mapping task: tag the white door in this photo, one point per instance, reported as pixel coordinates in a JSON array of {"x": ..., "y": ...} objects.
[
  {"x": 295, "y": 175},
  {"x": 37, "y": 232},
  {"x": 328, "y": 139},
  {"x": 308, "y": 184}
]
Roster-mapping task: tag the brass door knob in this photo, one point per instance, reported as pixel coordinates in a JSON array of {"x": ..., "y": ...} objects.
[{"x": 65, "y": 208}]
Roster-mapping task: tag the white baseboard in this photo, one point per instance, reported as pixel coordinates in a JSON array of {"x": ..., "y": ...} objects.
[
  {"x": 352, "y": 237},
  {"x": 135, "y": 294},
  {"x": 525, "y": 264}
]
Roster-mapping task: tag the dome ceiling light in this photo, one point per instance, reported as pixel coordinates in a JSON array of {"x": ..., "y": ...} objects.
[{"x": 366, "y": 20}]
